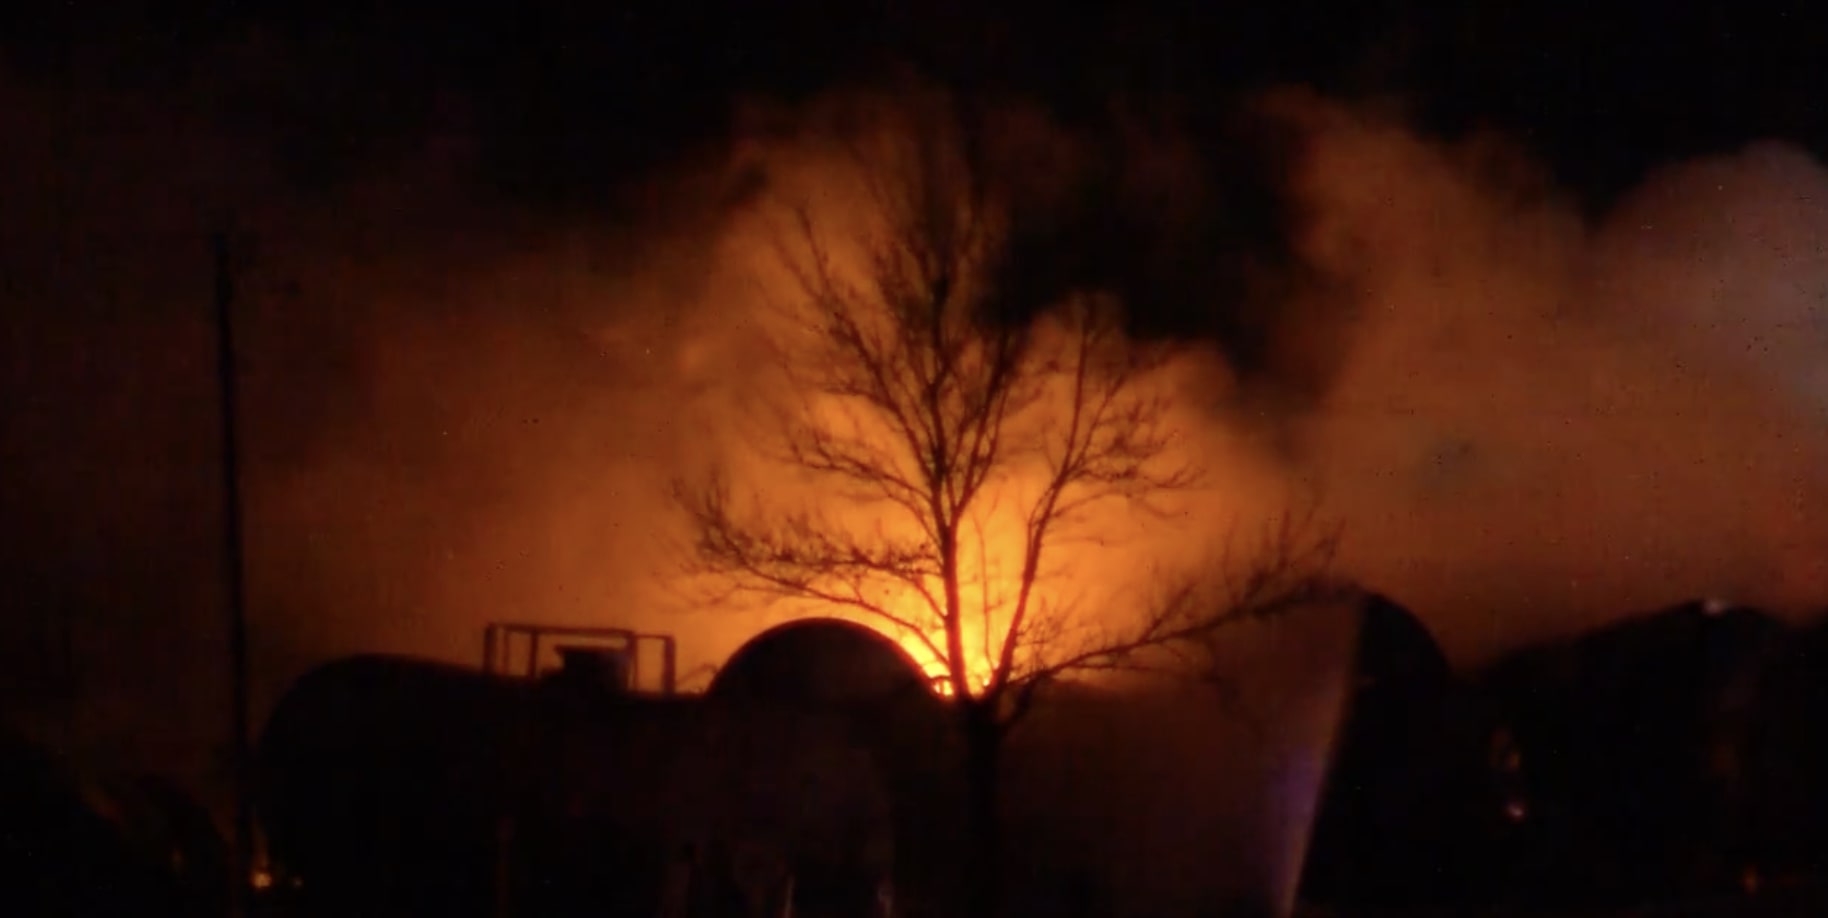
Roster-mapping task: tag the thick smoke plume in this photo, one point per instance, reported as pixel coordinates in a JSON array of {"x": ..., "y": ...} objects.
[
  {"x": 1540, "y": 421},
  {"x": 462, "y": 410}
]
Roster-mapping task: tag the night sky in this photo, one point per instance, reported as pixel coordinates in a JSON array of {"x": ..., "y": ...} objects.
[
  {"x": 1572, "y": 254},
  {"x": 571, "y": 101}
]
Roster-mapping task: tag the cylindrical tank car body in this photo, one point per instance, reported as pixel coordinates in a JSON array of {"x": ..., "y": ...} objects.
[{"x": 395, "y": 786}]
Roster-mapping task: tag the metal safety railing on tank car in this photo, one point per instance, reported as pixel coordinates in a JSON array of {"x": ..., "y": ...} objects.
[{"x": 503, "y": 654}]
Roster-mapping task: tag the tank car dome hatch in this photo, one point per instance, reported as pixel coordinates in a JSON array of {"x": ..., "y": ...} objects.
[
  {"x": 589, "y": 668},
  {"x": 821, "y": 661}
]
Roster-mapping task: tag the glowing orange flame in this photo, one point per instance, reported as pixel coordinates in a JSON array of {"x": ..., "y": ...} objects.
[
  {"x": 978, "y": 666},
  {"x": 937, "y": 672}
]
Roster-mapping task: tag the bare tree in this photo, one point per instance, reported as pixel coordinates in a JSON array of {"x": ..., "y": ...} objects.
[{"x": 924, "y": 408}]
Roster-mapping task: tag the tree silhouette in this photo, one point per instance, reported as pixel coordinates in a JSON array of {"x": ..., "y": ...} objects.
[{"x": 920, "y": 404}]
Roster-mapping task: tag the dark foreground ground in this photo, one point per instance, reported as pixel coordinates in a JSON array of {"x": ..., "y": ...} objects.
[
  {"x": 1808, "y": 901},
  {"x": 1799, "y": 902}
]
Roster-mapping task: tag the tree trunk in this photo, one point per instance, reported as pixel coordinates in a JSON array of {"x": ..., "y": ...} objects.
[{"x": 983, "y": 736}]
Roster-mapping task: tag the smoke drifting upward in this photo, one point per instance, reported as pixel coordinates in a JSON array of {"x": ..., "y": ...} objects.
[
  {"x": 455, "y": 410},
  {"x": 1540, "y": 421},
  {"x": 462, "y": 410},
  {"x": 523, "y": 396}
]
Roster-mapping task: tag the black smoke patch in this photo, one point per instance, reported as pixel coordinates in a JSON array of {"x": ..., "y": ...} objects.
[{"x": 1187, "y": 223}]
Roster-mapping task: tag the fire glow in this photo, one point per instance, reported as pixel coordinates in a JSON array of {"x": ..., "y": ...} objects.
[{"x": 947, "y": 473}]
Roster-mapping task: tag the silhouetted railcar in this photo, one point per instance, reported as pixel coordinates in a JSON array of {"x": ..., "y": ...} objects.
[
  {"x": 886, "y": 704},
  {"x": 404, "y": 787},
  {"x": 827, "y": 664},
  {"x": 75, "y": 845},
  {"x": 1778, "y": 766},
  {"x": 386, "y": 785},
  {"x": 1673, "y": 757},
  {"x": 1409, "y": 813},
  {"x": 1658, "y": 759}
]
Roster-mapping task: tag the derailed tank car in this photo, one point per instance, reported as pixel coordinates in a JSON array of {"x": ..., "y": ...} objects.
[
  {"x": 1778, "y": 772},
  {"x": 385, "y": 783},
  {"x": 831, "y": 668},
  {"x": 1674, "y": 756},
  {"x": 1409, "y": 814},
  {"x": 395, "y": 786}
]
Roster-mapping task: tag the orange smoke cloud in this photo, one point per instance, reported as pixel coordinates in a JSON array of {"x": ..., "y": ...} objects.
[
  {"x": 1542, "y": 420},
  {"x": 1107, "y": 565},
  {"x": 459, "y": 412},
  {"x": 1535, "y": 420}
]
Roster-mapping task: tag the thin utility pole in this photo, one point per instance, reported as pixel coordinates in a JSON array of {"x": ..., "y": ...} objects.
[{"x": 234, "y": 568}]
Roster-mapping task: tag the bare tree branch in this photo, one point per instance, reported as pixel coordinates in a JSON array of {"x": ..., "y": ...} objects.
[
  {"x": 948, "y": 453},
  {"x": 915, "y": 410}
]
